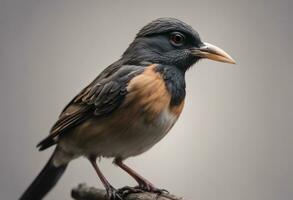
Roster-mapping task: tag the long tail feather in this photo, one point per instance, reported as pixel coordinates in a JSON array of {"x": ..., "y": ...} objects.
[{"x": 44, "y": 182}]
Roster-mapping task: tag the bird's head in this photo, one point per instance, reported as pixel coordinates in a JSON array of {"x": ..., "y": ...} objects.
[{"x": 172, "y": 42}]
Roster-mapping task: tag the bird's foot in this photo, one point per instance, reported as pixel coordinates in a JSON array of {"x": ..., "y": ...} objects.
[
  {"x": 128, "y": 190},
  {"x": 140, "y": 188},
  {"x": 148, "y": 187},
  {"x": 113, "y": 194}
]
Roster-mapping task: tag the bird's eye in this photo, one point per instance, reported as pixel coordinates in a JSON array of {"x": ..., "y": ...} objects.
[{"x": 177, "y": 39}]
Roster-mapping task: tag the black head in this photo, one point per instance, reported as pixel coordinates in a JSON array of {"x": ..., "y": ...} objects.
[{"x": 169, "y": 41}]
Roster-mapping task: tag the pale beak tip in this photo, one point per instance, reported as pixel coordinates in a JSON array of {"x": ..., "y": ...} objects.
[{"x": 231, "y": 61}]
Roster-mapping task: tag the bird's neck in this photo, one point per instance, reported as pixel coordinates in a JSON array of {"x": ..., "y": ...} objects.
[{"x": 175, "y": 82}]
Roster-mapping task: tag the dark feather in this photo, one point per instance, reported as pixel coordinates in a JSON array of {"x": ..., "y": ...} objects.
[
  {"x": 163, "y": 25},
  {"x": 44, "y": 182}
]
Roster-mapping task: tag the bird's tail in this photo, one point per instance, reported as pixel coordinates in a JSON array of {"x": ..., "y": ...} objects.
[{"x": 44, "y": 182}]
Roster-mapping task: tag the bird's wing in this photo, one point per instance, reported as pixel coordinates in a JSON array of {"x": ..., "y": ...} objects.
[{"x": 100, "y": 98}]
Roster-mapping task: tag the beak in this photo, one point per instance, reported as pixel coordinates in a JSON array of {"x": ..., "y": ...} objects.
[{"x": 212, "y": 52}]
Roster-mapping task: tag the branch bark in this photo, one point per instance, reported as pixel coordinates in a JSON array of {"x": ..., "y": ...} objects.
[{"x": 84, "y": 192}]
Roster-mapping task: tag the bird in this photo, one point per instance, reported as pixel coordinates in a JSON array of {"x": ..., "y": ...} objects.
[{"x": 130, "y": 106}]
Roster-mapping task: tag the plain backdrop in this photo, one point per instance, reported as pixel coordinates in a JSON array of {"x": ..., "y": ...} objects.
[{"x": 234, "y": 138}]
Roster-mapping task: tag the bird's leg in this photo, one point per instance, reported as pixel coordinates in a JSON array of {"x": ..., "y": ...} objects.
[
  {"x": 112, "y": 193},
  {"x": 143, "y": 184}
]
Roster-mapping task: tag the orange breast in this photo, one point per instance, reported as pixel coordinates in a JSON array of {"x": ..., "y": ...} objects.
[{"x": 147, "y": 92}]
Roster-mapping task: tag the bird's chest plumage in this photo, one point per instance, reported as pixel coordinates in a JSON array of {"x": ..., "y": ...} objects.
[{"x": 148, "y": 107}]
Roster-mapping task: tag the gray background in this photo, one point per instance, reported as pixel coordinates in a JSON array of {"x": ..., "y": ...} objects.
[{"x": 234, "y": 138}]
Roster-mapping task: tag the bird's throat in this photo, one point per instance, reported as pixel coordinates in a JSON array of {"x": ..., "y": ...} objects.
[{"x": 174, "y": 79}]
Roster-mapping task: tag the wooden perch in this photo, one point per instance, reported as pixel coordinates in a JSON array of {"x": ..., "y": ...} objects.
[{"x": 83, "y": 192}]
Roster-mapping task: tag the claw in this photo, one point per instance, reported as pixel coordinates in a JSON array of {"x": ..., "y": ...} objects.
[
  {"x": 128, "y": 190},
  {"x": 148, "y": 187},
  {"x": 165, "y": 191},
  {"x": 161, "y": 191},
  {"x": 140, "y": 188},
  {"x": 113, "y": 194}
]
